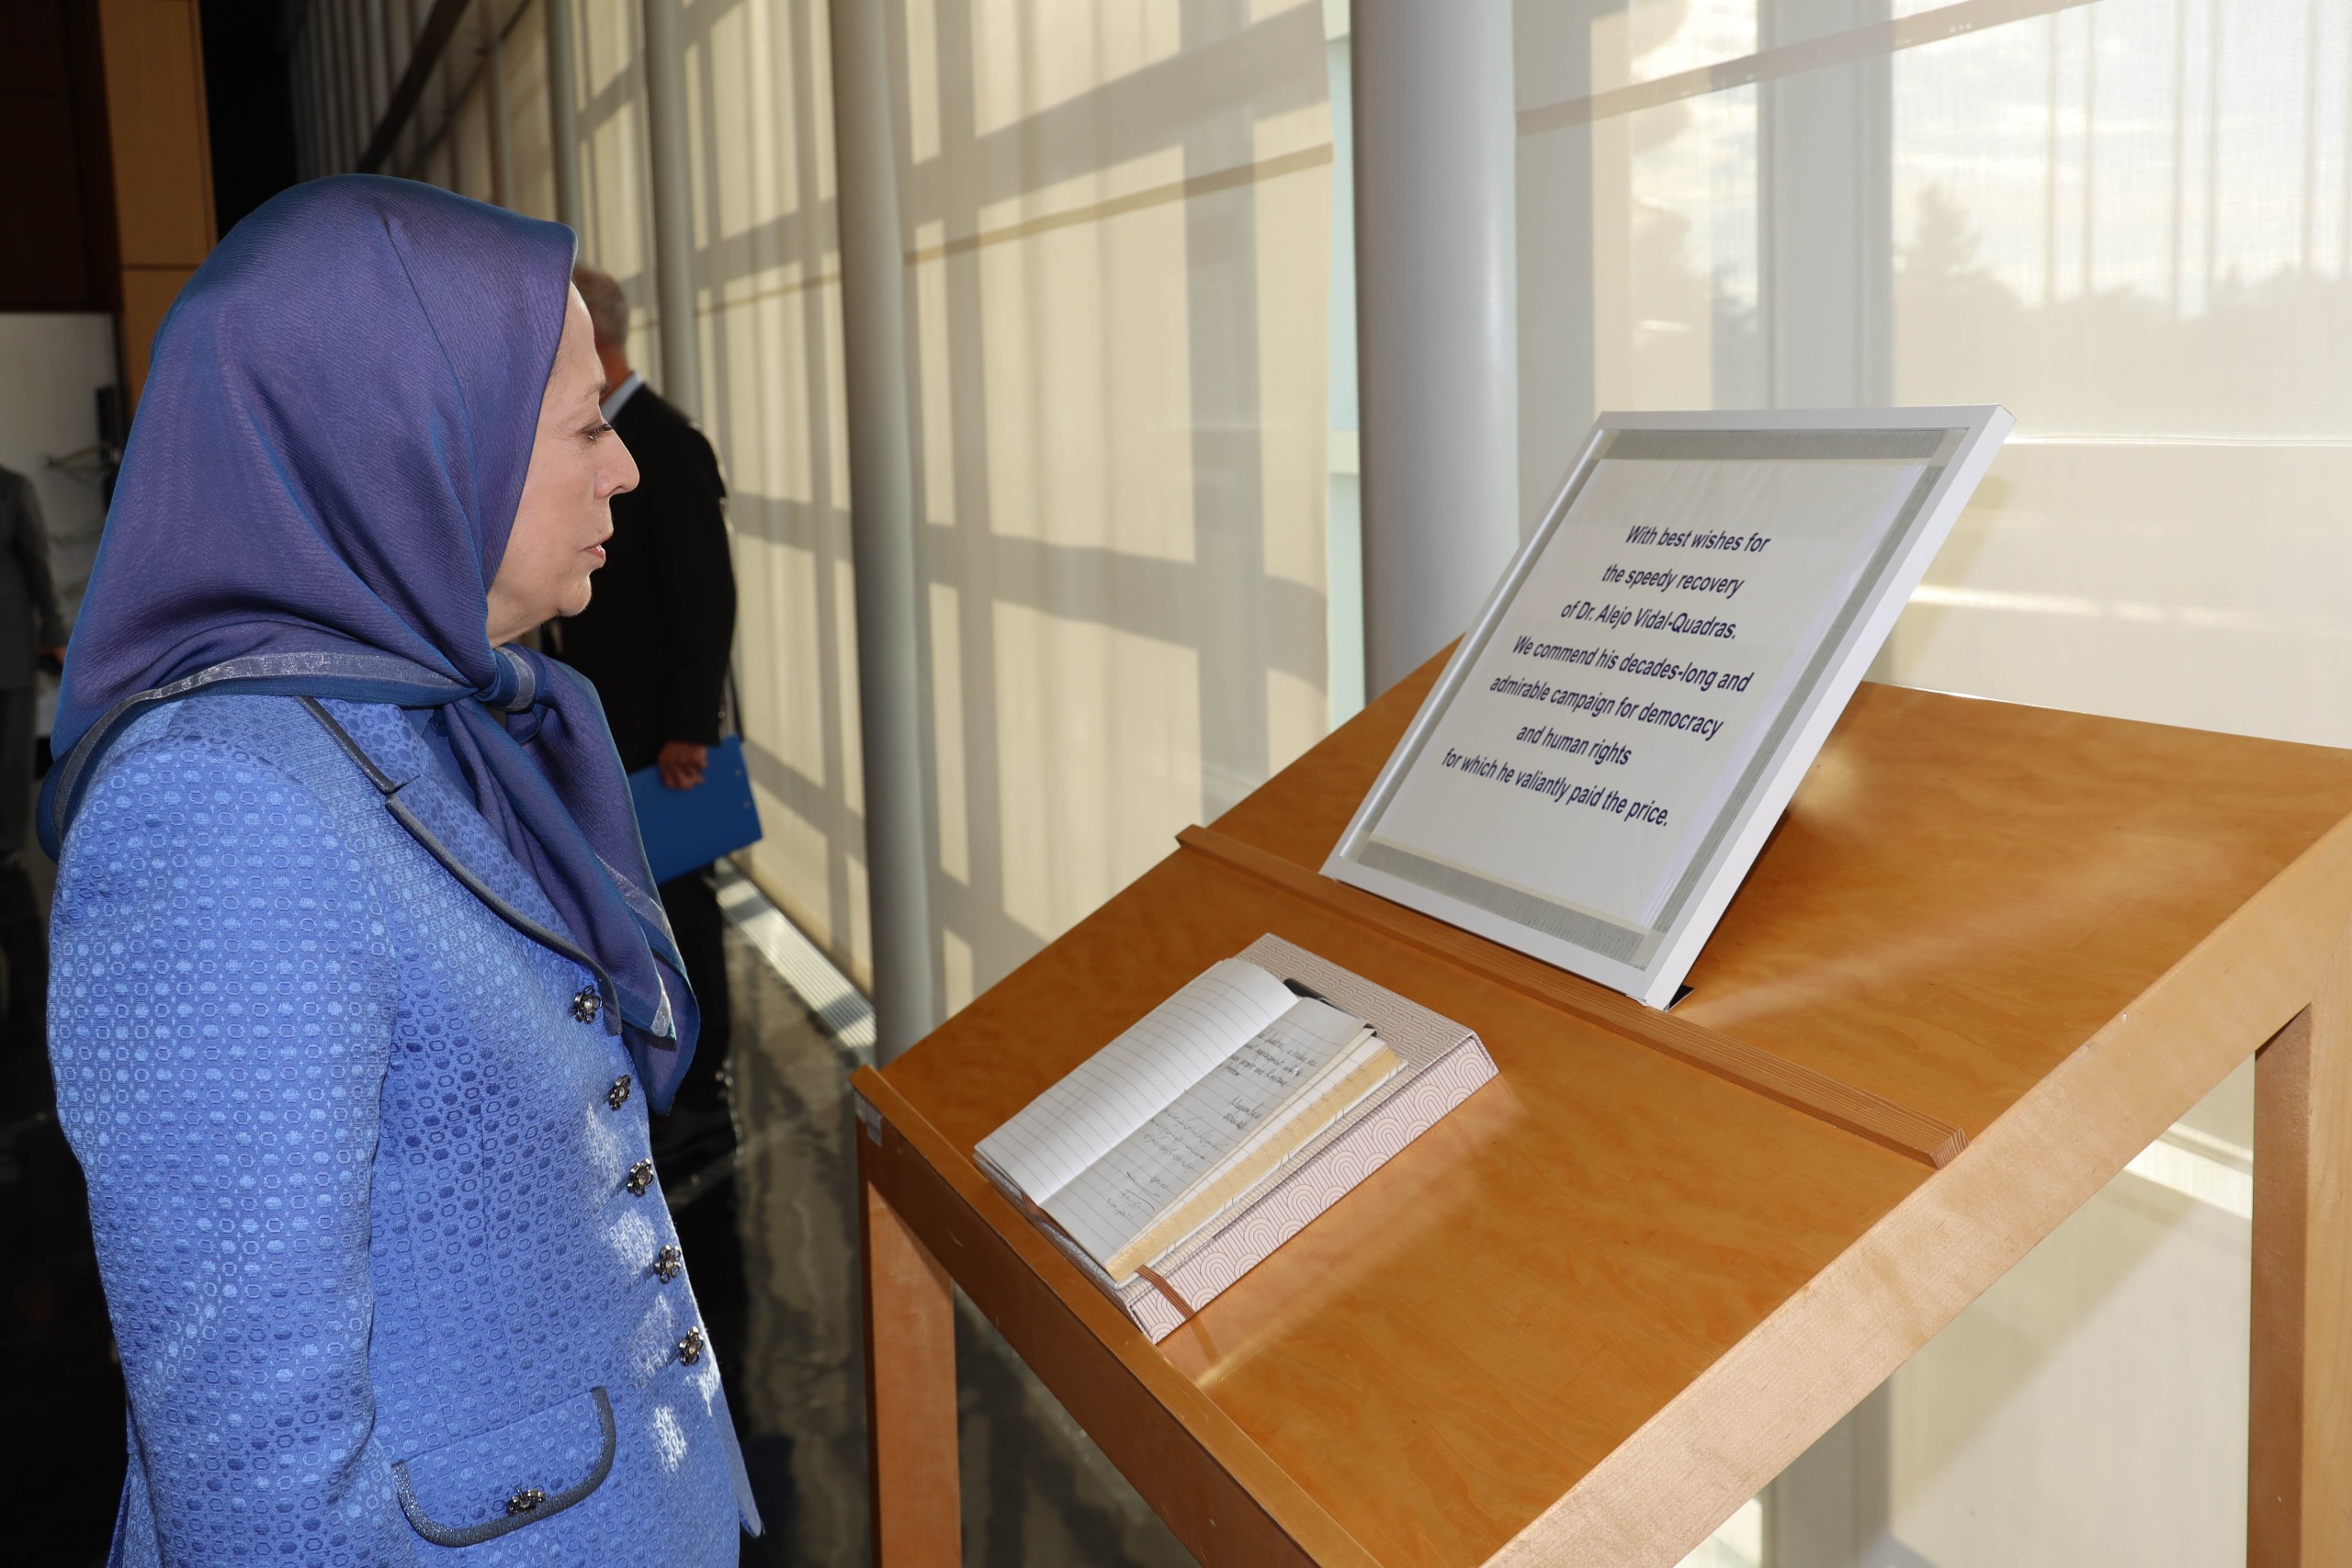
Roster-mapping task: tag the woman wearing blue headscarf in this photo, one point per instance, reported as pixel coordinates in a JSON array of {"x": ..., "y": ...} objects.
[{"x": 360, "y": 989}]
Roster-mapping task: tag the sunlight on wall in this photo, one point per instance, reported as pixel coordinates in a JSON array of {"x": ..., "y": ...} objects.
[
  {"x": 1077, "y": 702},
  {"x": 759, "y": 89},
  {"x": 1028, "y": 56},
  {"x": 529, "y": 132},
  {"x": 1120, "y": 242},
  {"x": 617, "y": 221}
]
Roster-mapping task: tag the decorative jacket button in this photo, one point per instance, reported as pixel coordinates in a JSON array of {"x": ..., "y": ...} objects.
[
  {"x": 586, "y": 1005},
  {"x": 617, "y": 1096},
  {"x": 690, "y": 1345},
  {"x": 640, "y": 1177},
  {"x": 525, "y": 1500},
  {"x": 667, "y": 1262}
]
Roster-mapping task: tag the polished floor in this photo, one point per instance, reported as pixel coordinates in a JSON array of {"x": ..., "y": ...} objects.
[
  {"x": 1036, "y": 1492},
  {"x": 765, "y": 1205}
]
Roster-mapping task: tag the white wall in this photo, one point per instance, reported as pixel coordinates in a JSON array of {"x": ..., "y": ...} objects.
[{"x": 51, "y": 369}]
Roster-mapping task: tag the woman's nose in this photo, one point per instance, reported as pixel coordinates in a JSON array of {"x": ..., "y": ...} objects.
[{"x": 622, "y": 474}]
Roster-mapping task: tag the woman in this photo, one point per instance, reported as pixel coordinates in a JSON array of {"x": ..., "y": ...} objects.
[{"x": 360, "y": 993}]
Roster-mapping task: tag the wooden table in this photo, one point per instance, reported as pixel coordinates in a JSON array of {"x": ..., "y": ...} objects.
[{"x": 1990, "y": 953}]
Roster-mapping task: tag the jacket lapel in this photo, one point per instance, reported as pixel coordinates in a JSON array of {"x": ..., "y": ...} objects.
[{"x": 390, "y": 739}]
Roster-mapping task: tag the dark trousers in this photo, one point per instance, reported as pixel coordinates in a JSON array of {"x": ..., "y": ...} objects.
[
  {"x": 23, "y": 943},
  {"x": 691, "y": 902}
]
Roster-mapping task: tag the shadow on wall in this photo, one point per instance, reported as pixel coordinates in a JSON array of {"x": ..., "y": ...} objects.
[{"x": 1118, "y": 237}]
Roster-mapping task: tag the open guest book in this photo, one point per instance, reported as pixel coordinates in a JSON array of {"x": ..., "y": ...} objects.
[{"x": 1174, "y": 1160}]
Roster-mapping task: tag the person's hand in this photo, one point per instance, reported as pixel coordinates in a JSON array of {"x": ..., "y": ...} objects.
[{"x": 682, "y": 763}]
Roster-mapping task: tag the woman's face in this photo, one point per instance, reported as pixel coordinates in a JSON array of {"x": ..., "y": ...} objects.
[{"x": 578, "y": 465}]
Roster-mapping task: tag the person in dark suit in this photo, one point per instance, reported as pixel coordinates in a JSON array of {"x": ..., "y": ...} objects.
[
  {"x": 31, "y": 632},
  {"x": 655, "y": 639}
]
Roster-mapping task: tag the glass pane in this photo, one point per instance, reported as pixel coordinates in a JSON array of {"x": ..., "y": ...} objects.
[{"x": 2130, "y": 222}]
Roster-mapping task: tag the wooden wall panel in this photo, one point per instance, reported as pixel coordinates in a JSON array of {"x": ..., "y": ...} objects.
[
  {"x": 161, "y": 158},
  {"x": 147, "y": 295}
]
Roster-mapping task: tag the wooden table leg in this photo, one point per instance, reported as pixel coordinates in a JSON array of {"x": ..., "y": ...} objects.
[
  {"x": 2299, "y": 1484},
  {"x": 910, "y": 1393}
]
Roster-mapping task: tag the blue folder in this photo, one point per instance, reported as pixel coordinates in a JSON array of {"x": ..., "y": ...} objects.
[{"x": 685, "y": 829}]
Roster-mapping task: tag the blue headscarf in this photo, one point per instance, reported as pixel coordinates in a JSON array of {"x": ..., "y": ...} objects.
[{"x": 327, "y": 460}]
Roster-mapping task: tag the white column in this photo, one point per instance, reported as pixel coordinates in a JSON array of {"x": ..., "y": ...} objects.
[
  {"x": 563, "y": 116},
  {"x": 1558, "y": 379},
  {"x": 672, "y": 175},
  {"x": 882, "y": 525},
  {"x": 1437, "y": 313},
  {"x": 1832, "y": 1507},
  {"x": 1825, "y": 144},
  {"x": 1825, "y": 154}
]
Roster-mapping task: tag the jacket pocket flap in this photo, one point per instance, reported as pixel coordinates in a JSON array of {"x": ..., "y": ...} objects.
[{"x": 480, "y": 1488}]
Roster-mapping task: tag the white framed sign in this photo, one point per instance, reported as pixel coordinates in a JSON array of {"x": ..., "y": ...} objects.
[{"x": 1598, "y": 766}]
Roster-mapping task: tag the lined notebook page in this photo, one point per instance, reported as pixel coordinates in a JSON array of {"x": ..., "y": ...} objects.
[
  {"x": 1314, "y": 1101},
  {"x": 1353, "y": 1075},
  {"x": 1119, "y": 1195},
  {"x": 1135, "y": 1077}
]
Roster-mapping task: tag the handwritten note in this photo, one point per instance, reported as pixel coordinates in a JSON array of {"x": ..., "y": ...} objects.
[{"x": 1152, "y": 1169}]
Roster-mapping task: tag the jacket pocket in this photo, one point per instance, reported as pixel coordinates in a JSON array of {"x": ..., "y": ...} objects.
[{"x": 483, "y": 1486}]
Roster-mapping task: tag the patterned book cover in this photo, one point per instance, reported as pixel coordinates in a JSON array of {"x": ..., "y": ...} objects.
[{"x": 1444, "y": 1064}]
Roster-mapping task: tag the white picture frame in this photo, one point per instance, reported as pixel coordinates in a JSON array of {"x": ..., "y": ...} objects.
[{"x": 1851, "y": 616}]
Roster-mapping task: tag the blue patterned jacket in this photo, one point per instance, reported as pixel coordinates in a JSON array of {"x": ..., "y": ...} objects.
[{"x": 381, "y": 1242}]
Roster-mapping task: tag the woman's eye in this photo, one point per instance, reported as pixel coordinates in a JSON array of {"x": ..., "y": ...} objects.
[{"x": 602, "y": 427}]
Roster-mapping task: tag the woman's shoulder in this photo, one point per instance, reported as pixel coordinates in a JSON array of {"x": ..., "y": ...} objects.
[
  {"x": 227, "y": 740},
  {"x": 224, "y": 786},
  {"x": 271, "y": 729}
]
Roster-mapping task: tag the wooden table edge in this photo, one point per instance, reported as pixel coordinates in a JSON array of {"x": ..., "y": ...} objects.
[
  {"x": 1749, "y": 1415},
  {"x": 1261, "y": 1514}
]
